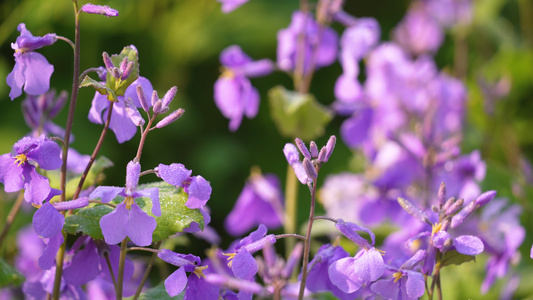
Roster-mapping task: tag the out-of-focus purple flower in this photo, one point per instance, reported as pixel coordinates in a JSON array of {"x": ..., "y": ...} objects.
[
  {"x": 323, "y": 40},
  {"x": 241, "y": 262},
  {"x": 99, "y": 9},
  {"x": 234, "y": 94},
  {"x": 231, "y": 5},
  {"x": 260, "y": 202},
  {"x": 350, "y": 273},
  {"x": 31, "y": 70},
  {"x": 419, "y": 32},
  {"x": 178, "y": 281},
  {"x": 128, "y": 219},
  {"x": 121, "y": 124},
  {"x": 451, "y": 12},
  {"x": 355, "y": 42},
  {"x": 38, "y": 112},
  {"x": 17, "y": 171}
]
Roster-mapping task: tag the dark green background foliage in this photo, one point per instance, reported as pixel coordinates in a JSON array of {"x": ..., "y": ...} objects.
[{"x": 179, "y": 42}]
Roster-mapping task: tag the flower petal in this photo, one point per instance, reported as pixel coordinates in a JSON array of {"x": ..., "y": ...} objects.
[
  {"x": 114, "y": 225},
  {"x": 176, "y": 282},
  {"x": 47, "y": 221},
  {"x": 140, "y": 226},
  {"x": 343, "y": 275}
]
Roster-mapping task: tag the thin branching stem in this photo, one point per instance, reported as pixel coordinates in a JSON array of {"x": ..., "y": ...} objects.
[
  {"x": 307, "y": 241},
  {"x": 148, "y": 268},
  {"x": 11, "y": 216},
  {"x": 121, "y": 264}
]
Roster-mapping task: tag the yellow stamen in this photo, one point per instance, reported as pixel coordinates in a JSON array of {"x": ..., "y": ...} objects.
[
  {"x": 230, "y": 258},
  {"x": 228, "y": 74},
  {"x": 20, "y": 159},
  {"x": 382, "y": 252},
  {"x": 436, "y": 228},
  {"x": 397, "y": 276},
  {"x": 198, "y": 271},
  {"x": 36, "y": 205},
  {"x": 129, "y": 202}
]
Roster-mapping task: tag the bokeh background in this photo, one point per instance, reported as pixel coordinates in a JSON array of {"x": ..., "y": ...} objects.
[{"x": 179, "y": 42}]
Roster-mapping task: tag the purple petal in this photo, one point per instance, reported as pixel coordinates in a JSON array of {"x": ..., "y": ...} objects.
[
  {"x": 131, "y": 91},
  {"x": 99, "y": 105},
  {"x": 369, "y": 266},
  {"x": 153, "y": 194},
  {"x": 468, "y": 244},
  {"x": 47, "y": 259},
  {"x": 386, "y": 288},
  {"x": 121, "y": 124},
  {"x": 106, "y": 193},
  {"x": 356, "y": 129},
  {"x": 84, "y": 267},
  {"x": 11, "y": 174},
  {"x": 234, "y": 57},
  {"x": 227, "y": 94},
  {"x": 244, "y": 265},
  {"x": 47, "y": 155},
  {"x": 348, "y": 89},
  {"x": 176, "y": 282},
  {"x": 230, "y": 5},
  {"x": 258, "y": 68},
  {"x": 37, "y": 73},
  {"x": 415, "y": 284},
  {"x": 37, "y": 187},
  {"x": 133, "y": 170},
  {"x": 15, "y": 79},
  {"x": 140, "y": 226},
  {"x": 199, "y": 192},
  {"x": 99, "y": 9},
  {"x": 344, "y": 276},
  {"x": 174, "y": 174},
  {"x": 114, "y": 225},
  {"x": 349, "y": 230},
  {"x": 47, "y": 221}
]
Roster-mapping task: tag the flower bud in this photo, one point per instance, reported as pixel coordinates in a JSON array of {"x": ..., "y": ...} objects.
[
  {"x": 133, "y": 113},
  {"x": 170, "y": 118},
  {"x": 99, "y": 9},
  {"x": 169, "y": 96},
  {"x": 157, "y": 106},
  {"x": 330, "y": 146},
  {"x": 413, "y": 210},
  {"x": 107, "y": 62},
  {"x": 127, "y": 71},
  {"x": 442, "y": 194},
  {"x": 455, "y": 207},
  {"x": 155, "y": 97},
  {"x": 314, "y": 149},
  {"x": 309, "y": 169},
  {"x": 142, "y": 98},
  {"x": 303, "y": 149}
]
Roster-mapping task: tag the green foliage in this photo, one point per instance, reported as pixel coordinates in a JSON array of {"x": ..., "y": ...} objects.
[
  {"x": 175, "y": 216},
  {"x": 8, "y": 275},
  {"x": 298, "y": 115},
  {"x": 100, "y": 87},
  {"x": 455, "y": 258},
  {"x": 157, "y": 292}
]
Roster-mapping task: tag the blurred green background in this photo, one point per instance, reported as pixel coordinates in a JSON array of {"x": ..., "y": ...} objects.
[{"x": 179, "y": 42}]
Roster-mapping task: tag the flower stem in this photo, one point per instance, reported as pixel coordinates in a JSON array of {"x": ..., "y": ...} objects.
[
  {"x": 143, "y": 138},
  {"x": 68, "y": 130},
  {"x": 121, "y": 264},
  {"x": 12, "y": 214},
  {"x": 106, "y": 255},
  {"x": 291, "y": 205},
  {"x": 147, "y": 272},
  {"x": 307, "y": 244},
  {"x": 95, "y": 152}
]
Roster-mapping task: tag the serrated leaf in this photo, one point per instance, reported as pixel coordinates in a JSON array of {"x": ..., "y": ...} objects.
[
  {"x": 99, "y": 87},
  {"x": 297, "y": 115},
  {"x": 455, "y": 258},
  {"x": 175, "y": 216},
  {"x": 120, "y": 86},
  {"x": 8, "y": 275},
  {"x": 157, "y": 292}
]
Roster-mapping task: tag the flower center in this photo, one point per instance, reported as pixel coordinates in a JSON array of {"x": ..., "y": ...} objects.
[
  {"x": 397, "y": 276},
  {"x": 230, "y": 258},
  {"x": 198, "y": 271},
  {"x": 436, "y": 228},
  {"x": 20, "y": 159},
  {"x": 129, "y": 202}
]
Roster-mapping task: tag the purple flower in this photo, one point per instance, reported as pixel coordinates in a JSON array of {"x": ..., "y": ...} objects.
[
  {"x": 47, "y": 221},
  {"x": 234, "y": 94},
  {"x": 241, "y": 262},
  {"x": 99, "y": 9},
  {"x": 260, "y": 202},
  {"x": 231, "y": 5},
  {"x": 38, "y": 111},
  {"x": 319, "y": 42},
  {"x": 195, "y": 286},
  {"x": 350, "y": 273},
  {"x": 16, "y": 171},
  {"x": 128, "y": 219},
  {"x": 306, "y": 170},
  {"x": 419, "y": 32},
  {"x": 121, "y": 124},
  {"x": 31, "y": 70}
]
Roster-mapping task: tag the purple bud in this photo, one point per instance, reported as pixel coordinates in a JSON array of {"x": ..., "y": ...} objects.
[
  {"x": 102, "y": 73},
  {"x": 413, "y": 210},
  {"x": 170, "y": 95},
  {"x": 133, "y": 169},
  {"x": 133, "y": 113},
  {"x": 157, "y": 106},
  {"x": 291, "y": 154},
  {"x": 142, "y": 98},
  {"x": 448, "y": 203},
  {"x": 294, "y": 258},
  {"x": 99, "y": 10},
  {"x": 314, "y": 149},
  {"x": 455, "y": 207},
  {"x": 303, "y": 149},
  {"x": 115, "y": 72},
  {"x": 58, "y": 105},
  {"x": 72, "y": 204},
  {"x": 309, "y": 169},
  {"x": 155, "y": 97},
  {"x": 107, "y": 62},
  {"x": 485, "y": 198},
  {"x": 442, "y": 193},
  {"x": 126, "y": 73},
  {"x": 330, "y": 146},
  {"x": 170, "y": 118},
  {"x": 322, "y": 154},
  {"x": 461, "y": 216},
  {"x": 123, "y": 65},
  {"x": 260, "y": 244}
]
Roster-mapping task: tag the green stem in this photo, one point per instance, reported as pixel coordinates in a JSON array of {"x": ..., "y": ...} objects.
[
  {"x": 12, "y": 214},
  {"x": 121, "y": 264},
  {"x": 106, "y": 255},
  {"x": 307, "y": 244},
  {"x": 291, "y": 206},
  {"x": 59, "y": 269},
  {"x": 146, "y": 272}
]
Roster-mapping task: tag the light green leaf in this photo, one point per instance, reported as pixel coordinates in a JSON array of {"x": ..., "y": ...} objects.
[
  {"x": 455, "y": 258},
  {"x": 175, "y": 216},
  {"x": 99, "y": 87},
  {"x": 298, "y": 115}
]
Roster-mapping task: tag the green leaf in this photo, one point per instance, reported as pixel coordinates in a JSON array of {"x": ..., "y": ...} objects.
[
  {"x": 455, "y": 258},
  {"x": 99, "y": 87},
  {"x": 175, "y": 216},
  {"x": 157, "y": 292},
  {"x": 94, "y": 175},
  {"x": 8, "y": 275},
  {"x": 120, "y": 86},
  {"x": 298, "y": 115}
]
